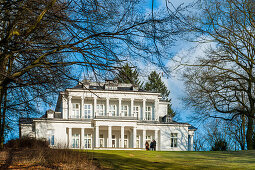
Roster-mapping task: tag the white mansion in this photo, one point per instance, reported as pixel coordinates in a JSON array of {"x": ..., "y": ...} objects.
[{"x": 109, "y": 115}]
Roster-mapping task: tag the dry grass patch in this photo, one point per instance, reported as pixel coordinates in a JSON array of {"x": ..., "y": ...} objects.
[{"x": 35, "y": 154}]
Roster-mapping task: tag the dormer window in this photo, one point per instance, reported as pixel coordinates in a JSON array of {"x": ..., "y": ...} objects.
[
  {"x": 168, "y": 119},
  {"x": 109, "y": 87}
]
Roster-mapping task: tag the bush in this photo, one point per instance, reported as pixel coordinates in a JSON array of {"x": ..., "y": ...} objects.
[
  {"x": 220, "y": 145},
  {"x": 27, "y": 142}
]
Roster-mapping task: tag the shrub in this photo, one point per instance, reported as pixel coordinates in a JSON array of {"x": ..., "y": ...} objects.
[
  {"x": 220, "y": 145},
  {"x": 27, "y": 142}
]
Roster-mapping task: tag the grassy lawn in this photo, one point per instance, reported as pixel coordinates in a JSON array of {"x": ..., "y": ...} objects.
[{"x": 173, "y": 160}]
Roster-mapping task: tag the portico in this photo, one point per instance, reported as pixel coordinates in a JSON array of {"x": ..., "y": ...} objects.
[{"x": 111, "y": 136}]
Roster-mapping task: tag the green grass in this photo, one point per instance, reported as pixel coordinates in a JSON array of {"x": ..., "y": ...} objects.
[{"x": 173, "y": 160}]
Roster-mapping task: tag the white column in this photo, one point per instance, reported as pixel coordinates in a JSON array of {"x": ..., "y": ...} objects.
[
  {"x": 156, "y": 139},
  {"x": 132, "y": 107},
  {"x": 64, "y": 107},
  {"x": 82, "y": 107},
  {"x": 109, "y": 137},
  {"x": 156, "y": 104},
  {"x": 134, "y": 137},
  {"x": 159, "y": 141},
  {"x": 69, "y": 106},
  {"x": 120, "y": 107},
  {"x": 82, "y": 138},
  {"x": 144, "y": 107},
  {"x": 70, "y": 137},
  {"x": 97, "y": 137},
  {"x": 144, "y": 138},
  {"x": 95, "y": 107},
  {"x": 191, "y": 142},
  {"x": 107, "y": 106},
  {"x": 122, "y": 136}
]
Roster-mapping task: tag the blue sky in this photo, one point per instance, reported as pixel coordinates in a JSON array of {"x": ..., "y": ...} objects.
[{"x": 174, "y": 81}]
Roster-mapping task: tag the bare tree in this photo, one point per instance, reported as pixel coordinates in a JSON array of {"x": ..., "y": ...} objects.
[
  {"x": 222, "y": 83},
  {"x": 42, "y": 41}
]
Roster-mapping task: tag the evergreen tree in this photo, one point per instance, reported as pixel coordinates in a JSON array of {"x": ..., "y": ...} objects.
[
  {"x": 155, "y": 84},
  {"x": 127, "y": 74}
]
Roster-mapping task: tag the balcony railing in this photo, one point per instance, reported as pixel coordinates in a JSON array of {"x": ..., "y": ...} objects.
[{"x": 116, "y": 117}]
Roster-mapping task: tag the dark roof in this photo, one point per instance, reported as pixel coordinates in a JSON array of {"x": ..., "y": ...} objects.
[
  {"x": 26, "y": 120},
  {"x": 192, "y": 128},
  {"x": 102, "y": 88}
]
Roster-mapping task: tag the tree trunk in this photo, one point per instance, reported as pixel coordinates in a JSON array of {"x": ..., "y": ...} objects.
[
  {"x": 243, "y": 132},
  {"x": 249, "y": 134},
  {"x": 3, "y": 102}
]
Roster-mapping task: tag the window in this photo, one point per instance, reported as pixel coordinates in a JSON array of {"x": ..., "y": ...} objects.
[
  {"x": 137, "y": 141},
  {"x": 100, "y": 109},
  {"x": 136, "y": 111},
  {"x": 87, "y": 140},
  {"x": 112, "y": 87},
  {"x": 125, "y": 141},
  {"x": 112, "y": 110},
  {"x": 168, "y": 119},
  {"x": 50, "y": 134},
  {"x": 149, "y": 139},
  {"x": 124, "y": 110},
  {"x": 76, "y": 110},
  {"x": 101, "y": 140},
  {"x": 87, "y": 111},
  {"x": 76, "y": 141},
  {"x": 113, "y": 141},
  {"x": 174, "y": 140},
  {"x": 148, "y": 113}
]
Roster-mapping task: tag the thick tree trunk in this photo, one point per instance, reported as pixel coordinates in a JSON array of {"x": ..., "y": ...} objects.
[{"x": 249, "y": 134}]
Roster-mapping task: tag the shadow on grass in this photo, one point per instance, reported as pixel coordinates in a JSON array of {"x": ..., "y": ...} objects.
[{"x": 116, "y": 161}]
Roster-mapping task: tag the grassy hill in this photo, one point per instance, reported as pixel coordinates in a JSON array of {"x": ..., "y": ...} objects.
[
  {"x": 174, "y": 160},
  {"x": 35, "y": 154}
]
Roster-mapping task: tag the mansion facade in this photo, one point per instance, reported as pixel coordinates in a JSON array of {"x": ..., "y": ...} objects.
[{"x": 109, "y": 115}]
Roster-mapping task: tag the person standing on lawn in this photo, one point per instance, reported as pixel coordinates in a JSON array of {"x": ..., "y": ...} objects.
[
  {"x": 146, "y": 145},
  {"x": 151, "y": 146},
  {"x": 154, "y": 145}
]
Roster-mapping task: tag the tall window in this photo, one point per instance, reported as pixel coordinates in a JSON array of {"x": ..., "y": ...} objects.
[
  {"x": 76, "y": 110},
  {"x": 148, "y": 113},
  {"x": 87, "y": 140},
  {"x": 76, "y": 140},
  {"x": 100, "y": 109},
  {"x": 113, "y": 141},
  {"x": 125, "y": 141},
  {"x": 124, "y": 110},
  {"x": 87, "y": 111},
  {"x": 174, "y": 140},
  {"x": 101, "y": 140},
  {"x": 50, "y": 134},
  {"x": 112, "y": 110},
  {"x": 137, "y": 141},
  {"x": 136, "y": 111}
]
